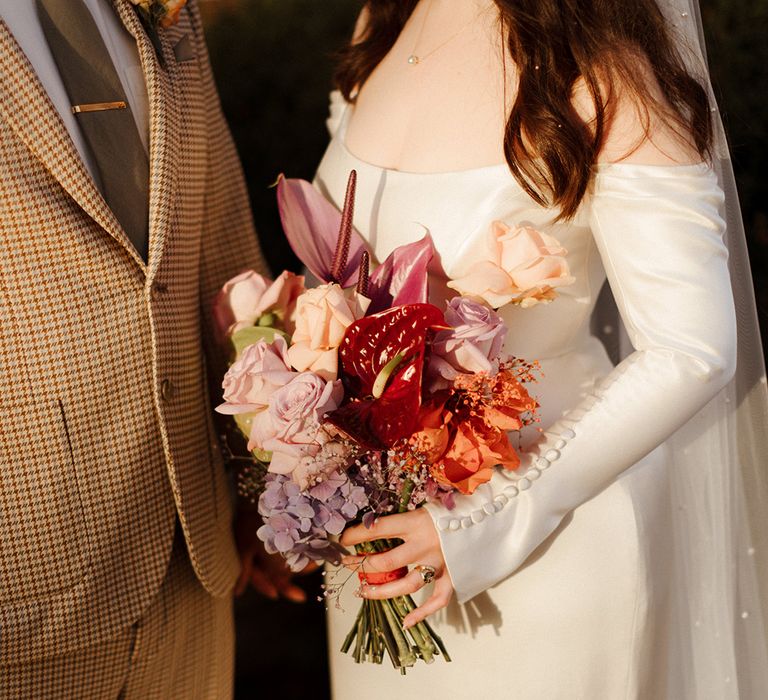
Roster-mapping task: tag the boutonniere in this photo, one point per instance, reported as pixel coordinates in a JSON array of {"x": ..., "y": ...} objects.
[{"x": 156, "y": 15}]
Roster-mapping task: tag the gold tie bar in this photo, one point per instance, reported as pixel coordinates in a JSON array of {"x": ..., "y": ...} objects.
[{"x": 98, "y": 107}]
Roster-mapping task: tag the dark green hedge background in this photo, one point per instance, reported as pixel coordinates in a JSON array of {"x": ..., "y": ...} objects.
[{"x": 273, "y": 62}]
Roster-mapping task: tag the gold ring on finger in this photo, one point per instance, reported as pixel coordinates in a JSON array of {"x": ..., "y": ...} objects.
[{"x": 426, "y": 572}]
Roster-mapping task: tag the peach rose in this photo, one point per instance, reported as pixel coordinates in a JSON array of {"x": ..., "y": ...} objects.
[
  {"x": 523, "y": 266},
  {"x": 245, "y": 299},
  {"x": 322, "y": 317}
]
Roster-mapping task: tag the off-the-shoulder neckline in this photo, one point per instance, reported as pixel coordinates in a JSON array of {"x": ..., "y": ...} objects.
[
  {"x": 653, "y": 167},
  {"x": 600, "y": 168}
]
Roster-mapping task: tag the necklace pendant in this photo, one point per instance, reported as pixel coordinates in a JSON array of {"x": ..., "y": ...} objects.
[{"x": 413, "y": 60}]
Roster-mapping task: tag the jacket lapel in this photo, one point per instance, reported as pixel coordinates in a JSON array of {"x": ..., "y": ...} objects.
[
  {"x": 163, "y": 135},
  {"x": 26, "y": 107}
]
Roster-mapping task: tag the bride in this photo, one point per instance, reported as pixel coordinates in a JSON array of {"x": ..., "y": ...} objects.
[{"x": 619, "y": 560}]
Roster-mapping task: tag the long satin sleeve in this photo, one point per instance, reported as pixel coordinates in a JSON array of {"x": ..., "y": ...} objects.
[{"x": 660, "y": 237}]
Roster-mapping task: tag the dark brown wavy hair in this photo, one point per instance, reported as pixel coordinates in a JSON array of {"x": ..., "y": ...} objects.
[{"x": 610, "y": 45}]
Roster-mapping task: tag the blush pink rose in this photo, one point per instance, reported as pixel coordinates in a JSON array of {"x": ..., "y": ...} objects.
[
  {"x": 259, "y": 372},
  {"x": 322, "y": 317},
  {"x": 523, "y": 266},
  {"x": 472, "y": 345},
  {"x": 291, "y": 428},
  {"x": 249, "y": 296}
]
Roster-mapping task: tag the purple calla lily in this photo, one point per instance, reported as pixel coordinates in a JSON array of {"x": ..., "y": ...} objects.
[
  {"x": 312, "y": 225},
  {"x": 402, "y": 277},
  {"x": 326, "y": 242}
]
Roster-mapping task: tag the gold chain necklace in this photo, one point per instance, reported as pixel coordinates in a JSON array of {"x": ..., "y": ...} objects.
[{"x": 415, "y": 59}]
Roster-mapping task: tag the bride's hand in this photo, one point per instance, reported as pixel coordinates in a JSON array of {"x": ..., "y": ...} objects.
[{"x": 421, "y": 547}]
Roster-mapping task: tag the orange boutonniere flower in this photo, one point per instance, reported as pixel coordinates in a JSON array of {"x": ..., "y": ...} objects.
[
  {"x": 156, "y": 15},
  {"x": 159, "y": 13}
]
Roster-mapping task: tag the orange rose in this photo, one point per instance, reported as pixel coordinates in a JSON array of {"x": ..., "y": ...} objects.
[
  {"x": 472, "y": 455},
  {"x": 434, "y": 437},
  {"x": 509, "y": 399}
]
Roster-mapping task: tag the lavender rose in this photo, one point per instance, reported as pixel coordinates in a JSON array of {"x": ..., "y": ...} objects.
[
  {"x": 261, "y": 369},
  {"x": 291, "y": 427},
  {"x": 472, "y": 345}
]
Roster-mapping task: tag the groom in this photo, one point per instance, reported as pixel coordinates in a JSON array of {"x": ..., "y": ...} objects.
[{"x": 122, "y": 211}]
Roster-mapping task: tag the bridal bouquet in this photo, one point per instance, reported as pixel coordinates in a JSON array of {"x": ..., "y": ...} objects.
[{"x": 359, "y": 398}]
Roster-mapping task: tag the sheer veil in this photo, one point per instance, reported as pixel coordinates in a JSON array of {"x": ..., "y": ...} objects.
[{"x": 716, "y": 639}]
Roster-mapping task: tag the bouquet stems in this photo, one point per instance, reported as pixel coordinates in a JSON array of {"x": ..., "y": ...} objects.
[{"x": 379, "y": 626}]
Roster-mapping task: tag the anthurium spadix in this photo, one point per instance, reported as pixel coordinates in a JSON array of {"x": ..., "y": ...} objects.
[
  {"x": 325, "y": 240},
  {"x": 313, "y": 227}
]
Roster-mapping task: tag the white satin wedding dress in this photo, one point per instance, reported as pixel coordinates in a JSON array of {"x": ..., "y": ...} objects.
[{"x": 563, "y": 571}]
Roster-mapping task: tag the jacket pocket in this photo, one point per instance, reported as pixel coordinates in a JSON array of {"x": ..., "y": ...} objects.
[{"x": 44, "y": 542}]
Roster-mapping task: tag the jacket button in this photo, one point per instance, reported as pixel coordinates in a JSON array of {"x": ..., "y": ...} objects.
[
  {"x": 167, "y": 390},
  {"x": 160, "y": 288}
]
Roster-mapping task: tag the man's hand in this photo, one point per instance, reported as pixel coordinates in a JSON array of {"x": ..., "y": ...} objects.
[{"x": 267, "y": 573}]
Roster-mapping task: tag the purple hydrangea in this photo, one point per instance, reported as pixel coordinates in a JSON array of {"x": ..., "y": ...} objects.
[{"x": 299, "y": 524}]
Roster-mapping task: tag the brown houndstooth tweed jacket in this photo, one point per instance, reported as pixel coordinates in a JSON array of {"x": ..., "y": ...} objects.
[{"x": 105, "y": 424}]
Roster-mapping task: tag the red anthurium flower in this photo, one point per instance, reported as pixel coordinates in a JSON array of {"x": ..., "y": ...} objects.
[{"x": 382, "y": 362}]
